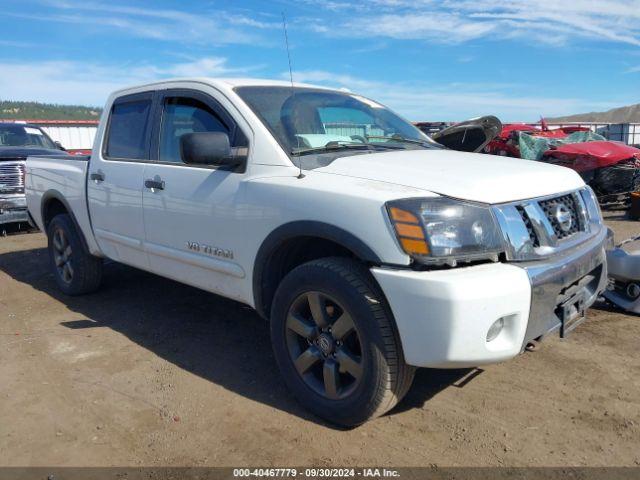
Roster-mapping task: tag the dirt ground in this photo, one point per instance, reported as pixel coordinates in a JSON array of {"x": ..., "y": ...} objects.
[{"x": 151, "y": 372}]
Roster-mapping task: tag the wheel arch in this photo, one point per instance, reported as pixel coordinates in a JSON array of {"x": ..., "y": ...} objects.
[
  {"x": 53, "y": 203},
  {"x": 295, "y": 243}
]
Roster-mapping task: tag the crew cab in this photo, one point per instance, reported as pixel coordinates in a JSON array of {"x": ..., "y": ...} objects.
[
  {"x": 17, "y": 141},
  {"x": 371, "y": 249}
]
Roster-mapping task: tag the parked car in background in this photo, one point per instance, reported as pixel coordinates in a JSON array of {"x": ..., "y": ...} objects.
[
  {"x": 468, "y": 136},
  {"x": 17, "y": 141},
  {"x": 612, "y": 169},
  {"x": 370, "y": 248},
  {"x": 76, "y": 135}
]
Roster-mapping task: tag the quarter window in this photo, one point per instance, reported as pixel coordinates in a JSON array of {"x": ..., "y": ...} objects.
[{"x": 128, "y": 128}]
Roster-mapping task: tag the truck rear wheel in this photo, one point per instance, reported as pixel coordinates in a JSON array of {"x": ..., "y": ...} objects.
[
  {"x": 75, "y": 270},
  {"x": 336, "y": 344}
]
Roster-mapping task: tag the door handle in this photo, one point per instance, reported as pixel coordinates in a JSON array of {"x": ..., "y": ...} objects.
[
  {"x": 97, "y": 176},
  {"x": 154, "y": 184}
]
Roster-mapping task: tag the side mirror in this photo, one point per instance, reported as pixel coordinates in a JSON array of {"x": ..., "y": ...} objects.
[
  {"x": 60, "y": 147},
  {"x": 207, "y": 148}
]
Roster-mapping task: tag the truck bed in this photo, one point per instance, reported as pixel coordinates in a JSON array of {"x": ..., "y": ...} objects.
[{"x": 63, "y": 179}]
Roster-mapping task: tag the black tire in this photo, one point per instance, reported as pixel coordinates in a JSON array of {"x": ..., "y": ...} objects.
[
  {"x": 75, "y": 270},
  {"x": 382, "y": 377}
]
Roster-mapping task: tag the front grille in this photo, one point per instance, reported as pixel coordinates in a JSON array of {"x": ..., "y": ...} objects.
[
  {"x": 527, "y": 223},
  {"x": 12, "y": 177},
  {"x": 543, "y": 227},
  {"x": 544, "y": 214},
  {"x": 550, "y": 208}
]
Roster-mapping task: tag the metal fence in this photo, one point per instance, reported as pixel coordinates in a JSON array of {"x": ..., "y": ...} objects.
[{"x": 628, "y": 133}]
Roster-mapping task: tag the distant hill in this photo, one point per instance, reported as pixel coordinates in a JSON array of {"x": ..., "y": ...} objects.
[
  {"x": 10, "y": 110},
  {"x": 629, "y": 114}
]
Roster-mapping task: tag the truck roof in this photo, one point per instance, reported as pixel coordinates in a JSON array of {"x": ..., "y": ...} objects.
[
  {"x": 223, "y": 83},
  {"x": 246, "y": 82}
]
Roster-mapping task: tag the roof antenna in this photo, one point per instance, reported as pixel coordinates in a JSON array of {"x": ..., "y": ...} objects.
[{"x": 293, "y": 91}]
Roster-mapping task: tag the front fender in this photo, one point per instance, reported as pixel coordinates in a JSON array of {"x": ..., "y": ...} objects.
[{"x": 303, "y": 228}]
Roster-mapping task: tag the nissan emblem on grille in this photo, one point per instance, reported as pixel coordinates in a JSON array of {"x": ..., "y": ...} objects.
[{"x": 563, "y": 216}]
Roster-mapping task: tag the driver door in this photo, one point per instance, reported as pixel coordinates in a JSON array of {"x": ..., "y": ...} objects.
[{"x": 191, "y": 216}]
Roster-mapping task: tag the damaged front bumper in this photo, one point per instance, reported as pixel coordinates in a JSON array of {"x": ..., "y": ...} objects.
[
  {"x": 564, "y": 287},
  {"x": 445, "y": 318}
]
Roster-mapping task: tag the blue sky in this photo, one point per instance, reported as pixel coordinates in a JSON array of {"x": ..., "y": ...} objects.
[{"x": 427, "y": 59}]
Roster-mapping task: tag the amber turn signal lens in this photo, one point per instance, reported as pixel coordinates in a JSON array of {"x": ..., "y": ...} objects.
[
  {"x": 417, "y": 247},
  {"x": 409, "y": 231},
  {"x": 406, "y": 230},
  {"x": 398, "y": 215}
]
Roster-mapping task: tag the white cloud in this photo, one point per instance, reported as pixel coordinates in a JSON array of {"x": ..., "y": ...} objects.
[
  {"x": 14, "y": 44},
  {"x": 90, "y": 83},
  {"x": 442, "y": 27},
  {"x": 457, "y": 21},
  {"x": 85, "y": 83},
  {"x": 210, "y": 27},
  {"x": 455, "y": 102},
  {"x": 332, "y": 79}
]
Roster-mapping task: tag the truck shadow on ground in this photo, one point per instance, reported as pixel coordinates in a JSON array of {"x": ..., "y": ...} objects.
[{"x": 217, "y": 339}]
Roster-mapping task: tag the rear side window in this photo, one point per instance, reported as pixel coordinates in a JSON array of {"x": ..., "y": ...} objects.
[{"x": 128, "y": 130}]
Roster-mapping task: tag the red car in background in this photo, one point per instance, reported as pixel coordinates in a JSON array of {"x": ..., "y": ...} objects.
[{"x": 612, "y": 169}]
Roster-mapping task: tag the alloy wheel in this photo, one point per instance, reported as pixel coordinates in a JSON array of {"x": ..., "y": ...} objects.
[
  {"x": 324, "y": 345},
  {"x": 62, "y": 255}
]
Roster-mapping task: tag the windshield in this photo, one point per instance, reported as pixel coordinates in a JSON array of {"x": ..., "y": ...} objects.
[
  {"x": 315, "y": 121},
  {"x": 24, "y": 136}
]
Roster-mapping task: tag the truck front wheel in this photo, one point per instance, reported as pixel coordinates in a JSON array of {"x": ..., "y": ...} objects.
[
  {"x": 75, "y": 270},
  {"x": 335, "y": 342}
]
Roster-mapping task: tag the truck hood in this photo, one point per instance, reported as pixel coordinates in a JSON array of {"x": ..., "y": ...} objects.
[
  {"x": 469, "y": 176},
  {"x": 24, "y": 152}
]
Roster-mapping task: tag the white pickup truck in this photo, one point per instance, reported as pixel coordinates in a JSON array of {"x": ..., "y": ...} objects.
[{"x": 370, "y": 248}]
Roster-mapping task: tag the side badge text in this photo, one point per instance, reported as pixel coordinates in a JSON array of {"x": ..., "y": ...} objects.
[{"x": 209, "y": 250}]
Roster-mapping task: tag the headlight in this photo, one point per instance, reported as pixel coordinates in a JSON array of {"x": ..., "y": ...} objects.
[
  {"x": 445, "y": 231},
  {"x": 591, "y": 203}
]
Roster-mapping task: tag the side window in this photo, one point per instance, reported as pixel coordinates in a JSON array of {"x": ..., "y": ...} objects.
[
  {"x": 128, "y": 127},
  {"x": 180, "y": 116}
]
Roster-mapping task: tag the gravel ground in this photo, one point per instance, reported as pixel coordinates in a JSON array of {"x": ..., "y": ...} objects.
[{"x": 151, "y": 372}]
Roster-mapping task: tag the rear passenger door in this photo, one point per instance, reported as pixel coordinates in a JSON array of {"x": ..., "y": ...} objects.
[
  {"x": 114, "y": 187},
  {"x": 193, "y": 222}
]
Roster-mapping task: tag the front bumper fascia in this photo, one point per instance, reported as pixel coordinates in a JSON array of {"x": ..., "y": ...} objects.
[
  {"x": 443, "y": 316},
  {"x": 581, "y": 270},
  {"x": 13, "y": 209}
]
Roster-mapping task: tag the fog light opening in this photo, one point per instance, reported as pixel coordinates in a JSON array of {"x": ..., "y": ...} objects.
[{"x": 495, "y": 329}]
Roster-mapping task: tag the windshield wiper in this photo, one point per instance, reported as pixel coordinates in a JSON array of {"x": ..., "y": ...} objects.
[
  {"x": 335, "y": 146},
  {"x": 398, "y": 138}
]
